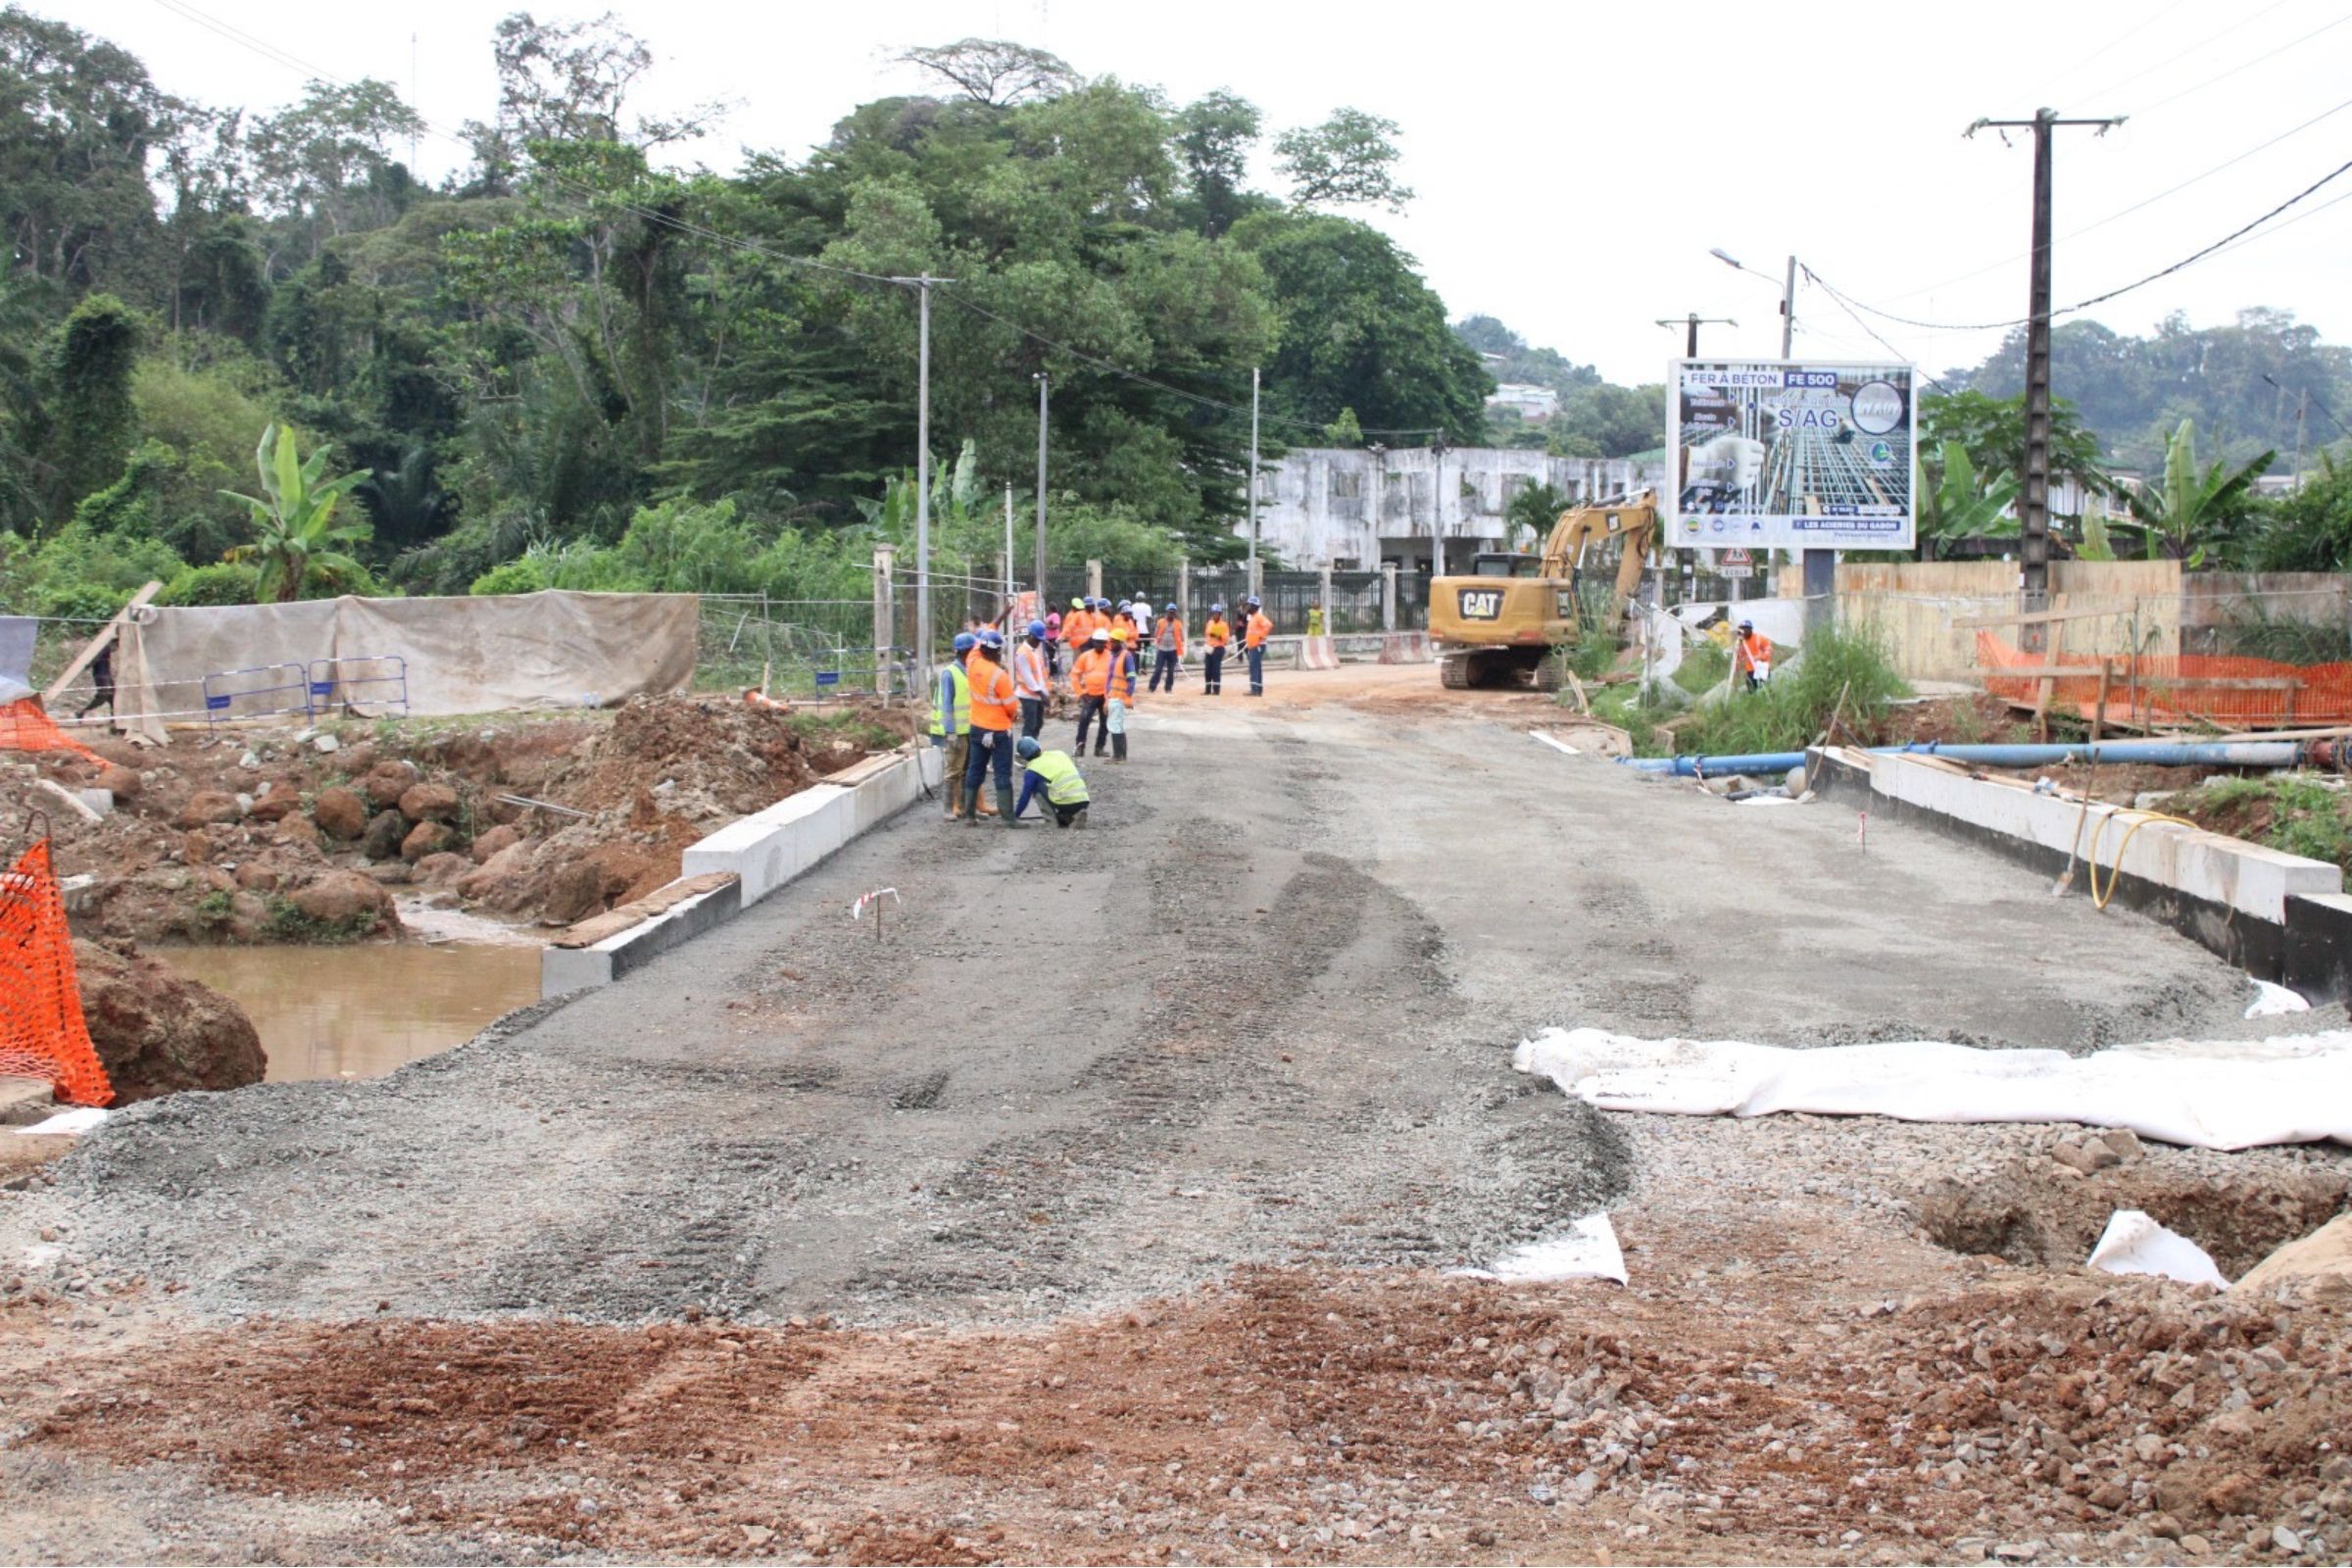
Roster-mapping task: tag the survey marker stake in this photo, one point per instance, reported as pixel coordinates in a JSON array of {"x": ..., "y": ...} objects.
[{"x": 874, "y": 898}]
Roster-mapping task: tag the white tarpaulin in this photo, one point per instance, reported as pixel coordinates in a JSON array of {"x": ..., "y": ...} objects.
[
  {"x": 2134, "y": 1243},
  {"x": 1587, "y": 1251},
  {"x": 442, "y": 656},
  {"x": 2209, "y": 1093}
]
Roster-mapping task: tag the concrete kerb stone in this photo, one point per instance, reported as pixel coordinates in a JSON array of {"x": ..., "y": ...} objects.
[
  {"x": 763, "y": 852},
  {"x": 2238, "y": 899}
]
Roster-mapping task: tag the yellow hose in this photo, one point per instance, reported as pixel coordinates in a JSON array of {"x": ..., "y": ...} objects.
[{"x": 2090, "y": 856}]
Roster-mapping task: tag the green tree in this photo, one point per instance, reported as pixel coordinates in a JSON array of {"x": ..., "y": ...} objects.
[
  {"x": 295, "y": 531},
  {"x": 1992, "y": 432},
  {"x": 79, "y": 119},
  {"x": 1959, "y": 507},
  {"x": 1536, "y": 509},
  {"x": 1608, "y": 421},
  {"x": 92, "y": 422},
  {"x": 1343, "y": 431},
  {"x": 1348, "y": 160},
  {"x": 1361, "y": 330},
  {"x": 2193, "y": 509},
  {"x": 994, "y": 72},
  {"x": 1213, "y": 136},
  {"x": 2310, "y": 527}
]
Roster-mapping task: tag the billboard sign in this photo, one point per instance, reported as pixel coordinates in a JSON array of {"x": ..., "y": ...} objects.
[{"x": 1791, "y": 454}]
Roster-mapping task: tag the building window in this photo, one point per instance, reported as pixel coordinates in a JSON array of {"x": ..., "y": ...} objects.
[{"x": 1347, "y": 484}]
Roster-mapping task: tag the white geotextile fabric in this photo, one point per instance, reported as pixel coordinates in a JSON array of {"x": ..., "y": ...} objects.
[
  {"x": 462, "y": 655},
  {"x": 1587, "y": 1251},
  {"x": 2134, "y": 1243},
  {"x": 2209, "y": 1093}
]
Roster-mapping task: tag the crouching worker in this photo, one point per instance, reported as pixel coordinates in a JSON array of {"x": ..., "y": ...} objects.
[{"x": 1057, "y": 776}]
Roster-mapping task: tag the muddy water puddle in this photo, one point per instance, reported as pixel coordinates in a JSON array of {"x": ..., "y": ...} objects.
[{"x": 360, "y": 1012}]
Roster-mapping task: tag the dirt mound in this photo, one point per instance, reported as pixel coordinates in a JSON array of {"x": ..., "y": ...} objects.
[
  {"x": 222, "y": 836},
  {"x": 158, "y": 1033}
]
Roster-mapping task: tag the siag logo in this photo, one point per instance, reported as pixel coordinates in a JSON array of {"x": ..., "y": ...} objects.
[
  {"x": 1482, "y": 604},
  {"x": 1878, "y": 408},
  {"x": 1881, "y": 455}
]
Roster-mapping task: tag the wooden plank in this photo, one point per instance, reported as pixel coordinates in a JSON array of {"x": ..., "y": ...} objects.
[
  {"x": 106, "y": 634},
  {"x": 589, "y": 932},
  {"x": 2037, "y": 618}
]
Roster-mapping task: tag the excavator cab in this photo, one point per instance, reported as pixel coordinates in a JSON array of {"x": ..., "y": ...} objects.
[{"x": 1506, "y": 564}]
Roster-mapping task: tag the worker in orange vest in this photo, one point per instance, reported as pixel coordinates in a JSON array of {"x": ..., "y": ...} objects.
[
  {"x": 1090, "y": 678},
  {"x": 995, "y": 708},
  {"x": 1119, "y": 692},
  {"x": 1215, "y": 635},
  {"x": 1169, "y": 640},
  {"x": 1751, "y": 655},
  {"x": 1254, "y": 633},
  {"x": 1076, "y": 627}
]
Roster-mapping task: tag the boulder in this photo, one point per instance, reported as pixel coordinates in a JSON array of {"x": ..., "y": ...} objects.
[
  {"x": 158, "y": 1033},
  {"x": 386, "y": 782},
  {"x": 576, "y": 891},
  {"x": 509, "y": 881},
  {"x": 341, "y": 812},
  {"x": 250, "y": 918},
  {"x": 427, "y": 838},
  {"x": 256, "y": 877},
  {"x": 348, "y": 902},
  {"x": 385, "y": 830},
  {"x": 429, "y": 802},
  {"x": 298, "y": 831},
  {"x": 489, "y": 844},
  {"x": 195, "y": 847},
  {"x": 282, "y": 801},
  {"x": 441, "y": 867},
  {"x": 206, "y": 808},
  {"x": 2086, "y": 1154},
  {"x": 124, "y": 781}
]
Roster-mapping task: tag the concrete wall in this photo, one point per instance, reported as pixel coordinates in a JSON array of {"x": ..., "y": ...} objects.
[
  {"x": 1912, "y": 606},
  {"x": 1320, "y": 505}
]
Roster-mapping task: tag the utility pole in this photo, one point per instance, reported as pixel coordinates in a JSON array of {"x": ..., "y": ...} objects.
[
  {"x": 1008, "y": 558},
  {"x": 923, "y": 285},
  {"x": 2034, "y": 505},
  {"x": 1043, "y": 383},
  {"x": 1693, "y": 322},
  {"x": 1254, "y": 479}
]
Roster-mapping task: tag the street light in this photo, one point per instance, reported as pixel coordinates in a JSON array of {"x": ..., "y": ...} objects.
[{"x": 1787, "y": 293}]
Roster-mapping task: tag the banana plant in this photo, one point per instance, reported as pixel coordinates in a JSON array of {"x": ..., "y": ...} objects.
[
  {"x": 2192, "y": 509},
  {"x": 294, "y": 527},
  {"x": 1959, "y": 507}
]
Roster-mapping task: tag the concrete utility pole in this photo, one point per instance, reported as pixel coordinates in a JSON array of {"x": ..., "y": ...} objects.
[
  {"x": 2034, "y": 505},
  {"x": 922, "y": 468},
  {"x": 1693, "y": 322},
  {"x": 1254, "y": 479},
  {"x": 1042, "y": 384}
]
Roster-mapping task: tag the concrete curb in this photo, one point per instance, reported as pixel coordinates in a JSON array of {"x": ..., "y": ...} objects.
[
  {"x": 2279, "y": 916},
  {"x": 762, "y": 853}
]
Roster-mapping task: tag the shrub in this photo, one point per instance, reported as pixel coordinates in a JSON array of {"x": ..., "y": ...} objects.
[{"x": 1794, "y": 706}]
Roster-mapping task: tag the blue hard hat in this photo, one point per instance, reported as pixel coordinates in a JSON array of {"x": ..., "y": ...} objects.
[
  {"x": 1026, "y": 746},
  {"x": 1037, "y": 628},
  {"x": 990, "y": 637},
  {"x": 1219, "y": 607},
  {"x": 966, "y": 642}
]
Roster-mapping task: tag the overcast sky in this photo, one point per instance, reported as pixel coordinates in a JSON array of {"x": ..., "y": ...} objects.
[{"x": 1576, "y": 162}]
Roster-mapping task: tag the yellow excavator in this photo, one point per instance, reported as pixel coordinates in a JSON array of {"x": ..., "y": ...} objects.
[{"x": 1501, "y": 625}]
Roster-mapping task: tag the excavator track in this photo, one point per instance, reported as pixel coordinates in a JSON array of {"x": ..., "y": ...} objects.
[{"x": 1453, "y": 671}]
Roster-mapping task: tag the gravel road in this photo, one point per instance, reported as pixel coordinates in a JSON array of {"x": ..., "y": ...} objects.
[{"x": 1260, "y": 1011}]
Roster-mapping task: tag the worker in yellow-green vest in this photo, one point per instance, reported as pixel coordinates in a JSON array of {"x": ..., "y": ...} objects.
[
  {"x": 1057, "y": 776},
  {"x": 951, "y": 720}
]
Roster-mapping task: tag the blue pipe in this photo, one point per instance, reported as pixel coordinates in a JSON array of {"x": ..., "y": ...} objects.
[{"x": 2160, "y": 754}]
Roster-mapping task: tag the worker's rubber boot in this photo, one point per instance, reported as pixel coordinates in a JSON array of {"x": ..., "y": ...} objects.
[
  {"x": 971, "y": 806},
  {"x": 1005, "y": 805},
  {"x": 1119, "y": 748},
  {"x": 988, "y": 808},
  {"x": 1079, "y": 820},
  {"x": 954, "y": 798}
]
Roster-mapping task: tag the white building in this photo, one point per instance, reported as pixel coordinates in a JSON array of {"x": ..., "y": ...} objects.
[
  {"x": 1357, "y": 510},
  {"x": 1534, "y": 404}
]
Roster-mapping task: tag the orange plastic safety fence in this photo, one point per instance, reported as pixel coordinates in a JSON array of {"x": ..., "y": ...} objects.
[
  {"x": 41, "y": 1030},
  {"x": 2224, "y": 689},
  {"x": 25, "y": 727}
]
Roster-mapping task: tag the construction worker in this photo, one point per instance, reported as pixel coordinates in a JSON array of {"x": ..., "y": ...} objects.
[
  {"x": 1139, "y": 610},
  {"x": 1254, "y": 633},
  {"x": 1169, "y": 641},
  {"x": 1118, "y": 693},
  {"x": 994, "y": 709},
  {"x": 1052, "y": 643},
  {"x": 1030, "y": 676},
  {"x": 951, "y": 720},
  {"x": 1751, "y": 656},
  {"x": 1055, "y": 774},
  {"x": 1074, "y": 628},
  {"x": 1215, "y": 635},
  {"x": 1090, "y": 678}
]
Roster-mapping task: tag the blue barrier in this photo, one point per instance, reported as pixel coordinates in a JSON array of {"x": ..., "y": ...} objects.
[
  {"x": 370, "y": 680},
  {"x": 220, "y": 700}
]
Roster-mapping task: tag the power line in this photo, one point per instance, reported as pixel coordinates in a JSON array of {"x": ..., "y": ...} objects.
[
  {"x": 2191, "y": 259},
  {"x": 2238, "y": 26},
  {"x": 2247, "y": 66},
  {"x": 2107, "y": 48}
]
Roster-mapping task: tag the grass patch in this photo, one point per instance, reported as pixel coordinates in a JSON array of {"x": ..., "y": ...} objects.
[
  {"x": 2289, "y": 812},
  {"x": 1794, "y": 705},
  {"x": 1703, "y": 667}
]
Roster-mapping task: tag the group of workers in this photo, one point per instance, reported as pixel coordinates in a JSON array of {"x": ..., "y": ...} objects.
[{"x": 978, "y": 703}]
